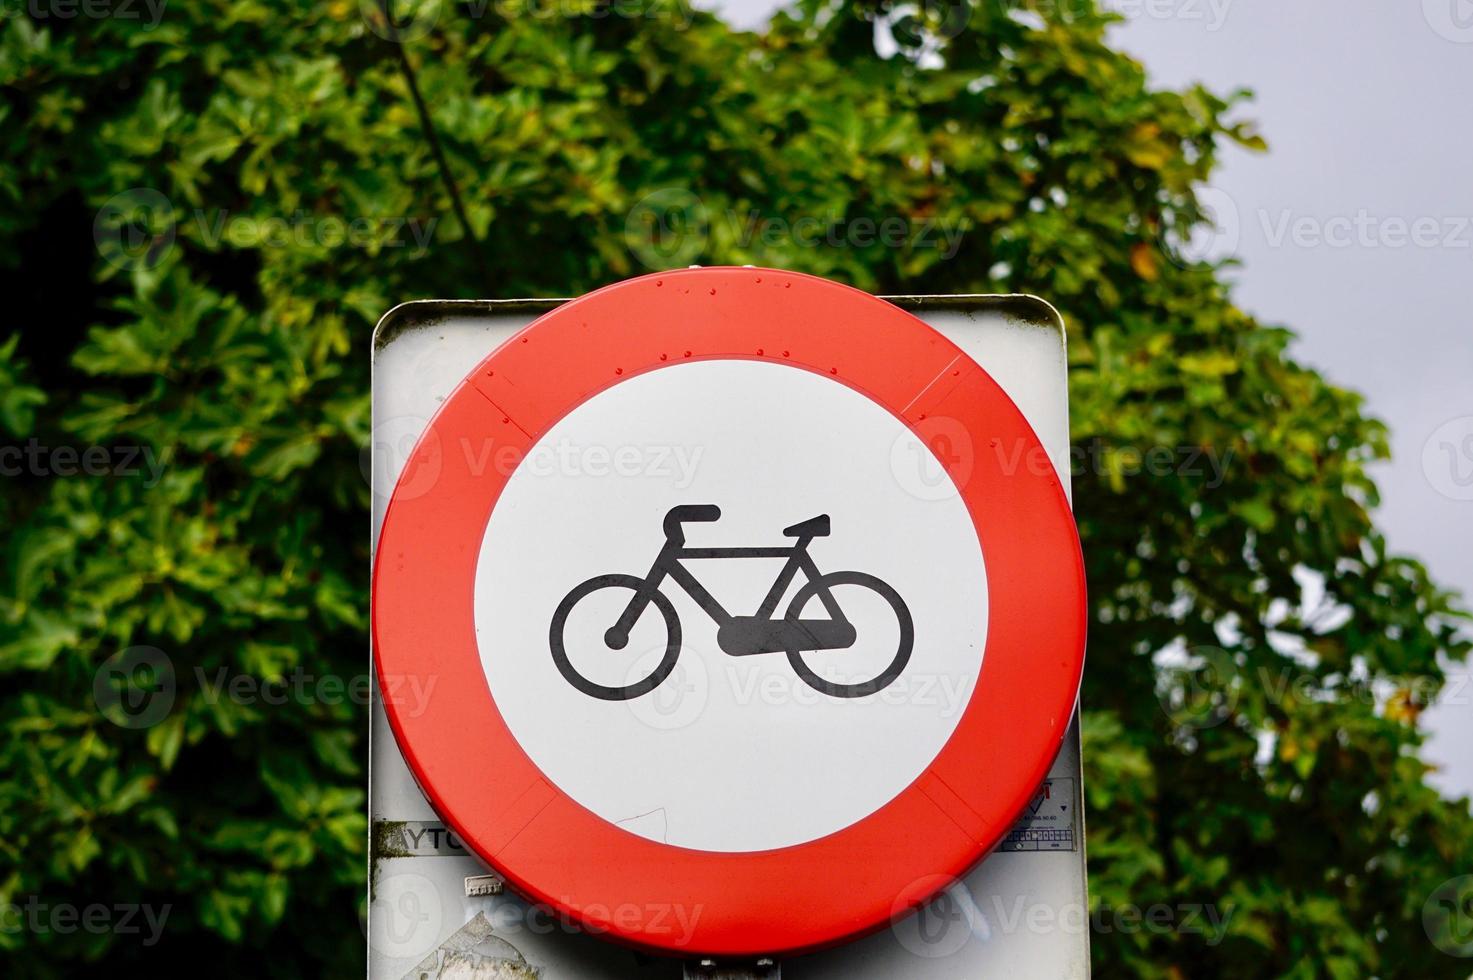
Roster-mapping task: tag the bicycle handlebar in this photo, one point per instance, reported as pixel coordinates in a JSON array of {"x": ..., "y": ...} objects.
[{"x": 688, "y": 514}]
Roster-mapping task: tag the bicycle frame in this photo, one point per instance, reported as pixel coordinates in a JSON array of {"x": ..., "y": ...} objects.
[
  {"x": 791, "y": 633},
  {"x": 668, "y": 564}
]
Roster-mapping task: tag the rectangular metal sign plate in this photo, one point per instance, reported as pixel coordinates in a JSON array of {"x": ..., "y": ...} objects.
[{"x": 426, "y": 920}]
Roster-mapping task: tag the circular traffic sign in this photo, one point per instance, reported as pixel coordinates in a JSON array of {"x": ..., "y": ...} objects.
[{"x": 744, "y": 605}]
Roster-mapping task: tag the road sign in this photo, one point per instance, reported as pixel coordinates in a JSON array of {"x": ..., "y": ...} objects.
[{"x": 744, "y": 593}]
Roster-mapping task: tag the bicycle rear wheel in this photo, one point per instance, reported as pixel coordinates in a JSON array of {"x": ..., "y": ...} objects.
[{"x": 638, "y": 687}]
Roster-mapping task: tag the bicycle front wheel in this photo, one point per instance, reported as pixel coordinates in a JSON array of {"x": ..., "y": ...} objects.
[{"x": 858, "y": 689}]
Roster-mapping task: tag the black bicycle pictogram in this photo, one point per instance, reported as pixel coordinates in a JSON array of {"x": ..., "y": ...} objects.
[{"x": 738, "y": 636}]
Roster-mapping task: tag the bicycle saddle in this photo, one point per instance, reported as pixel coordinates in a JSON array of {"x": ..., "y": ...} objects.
[{"x": 814, "y": 527}]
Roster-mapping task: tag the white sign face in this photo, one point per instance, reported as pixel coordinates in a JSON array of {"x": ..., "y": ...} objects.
[{"x": 706, "y": 681}]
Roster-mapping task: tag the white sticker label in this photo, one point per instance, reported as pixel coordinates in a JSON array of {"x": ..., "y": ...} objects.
[{"x": 1048, "y": 821}]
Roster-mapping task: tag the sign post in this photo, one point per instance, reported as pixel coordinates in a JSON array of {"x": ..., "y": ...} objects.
[{"x": 753, "y": 612}]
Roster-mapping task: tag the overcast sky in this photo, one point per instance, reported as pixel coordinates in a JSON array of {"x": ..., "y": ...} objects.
[{"x": 1355, "y": 230}]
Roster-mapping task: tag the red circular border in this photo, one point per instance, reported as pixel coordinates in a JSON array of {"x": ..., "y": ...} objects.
[{"x": 674, "y": 899}]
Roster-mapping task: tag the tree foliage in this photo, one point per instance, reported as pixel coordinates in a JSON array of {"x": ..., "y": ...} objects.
[{"x": 182, "y": 275}]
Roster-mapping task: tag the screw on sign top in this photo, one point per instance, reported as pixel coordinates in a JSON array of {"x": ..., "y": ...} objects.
[{"x": 794, "y": 675}]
